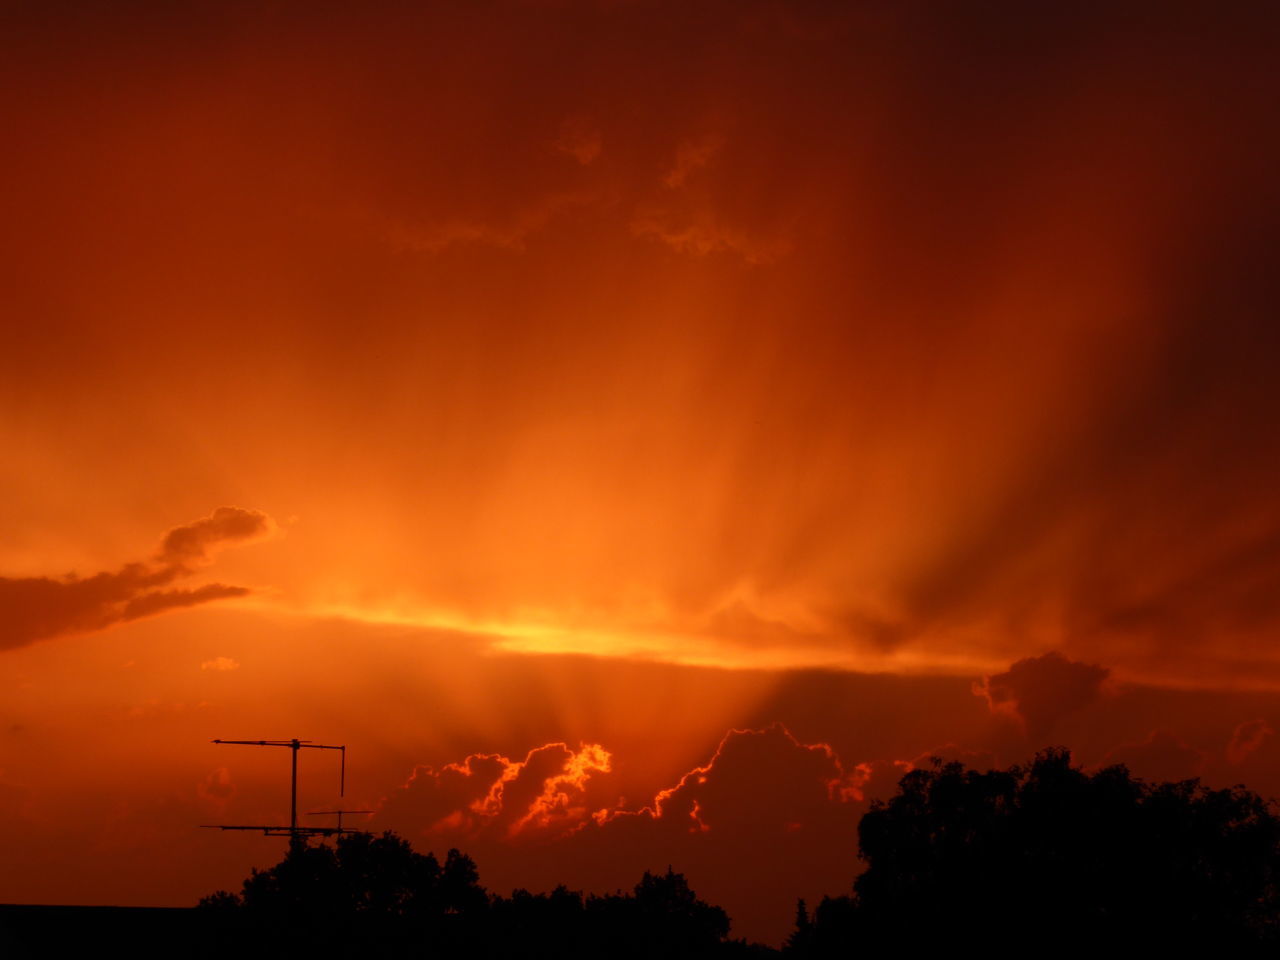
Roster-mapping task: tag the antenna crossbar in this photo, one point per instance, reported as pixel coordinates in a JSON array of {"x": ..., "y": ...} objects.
[
  {"x": 269, "y": 830},
  {"x": 293, "y": 831}
]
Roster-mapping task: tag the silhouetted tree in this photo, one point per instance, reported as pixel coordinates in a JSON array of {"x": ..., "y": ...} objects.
[
  {"x": 662, "y": 918},
  {"x": 365, "y": 893},
  {"x": 372, "y": 896},
  {"x": 1047, "y": 854},
  {"x": 802, "y": 936},
  {"x": 542, "y": 926}
]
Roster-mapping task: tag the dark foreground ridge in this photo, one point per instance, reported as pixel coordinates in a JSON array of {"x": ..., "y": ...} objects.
[{"x": 1040, "y": 858}]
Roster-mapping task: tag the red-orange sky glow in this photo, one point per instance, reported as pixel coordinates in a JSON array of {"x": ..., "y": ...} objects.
[{"x": 640, "y": 430}]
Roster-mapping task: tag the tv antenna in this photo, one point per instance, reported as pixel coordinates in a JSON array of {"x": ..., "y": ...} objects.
[{"x": 294, "y": 832}]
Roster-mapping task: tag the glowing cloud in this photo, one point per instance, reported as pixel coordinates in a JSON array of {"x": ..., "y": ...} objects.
[{"x": 487, "y": 793}]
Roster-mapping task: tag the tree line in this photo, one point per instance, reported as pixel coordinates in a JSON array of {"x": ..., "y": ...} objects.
[{"x": 1038, "y": 857}]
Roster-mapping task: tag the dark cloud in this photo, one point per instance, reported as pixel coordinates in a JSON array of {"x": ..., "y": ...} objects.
[
  {"x": 1040, "y": 691},
  {"x": 733, "y": 794},
  {"x": 37, "y": 608},
  {"x": 218, "y": 787},
  {"x": 457, "y": 797},
  {"x": 765, "y": 818},
  {"x": 1246, "y": 739},
  {"x": 160, "y": 600},
  {"x": 195, "y": 542},
  {"x": 1161, "y": 756}
]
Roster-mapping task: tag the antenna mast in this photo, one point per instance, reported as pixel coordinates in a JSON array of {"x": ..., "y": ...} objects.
[{"x": 294, "y": 832}]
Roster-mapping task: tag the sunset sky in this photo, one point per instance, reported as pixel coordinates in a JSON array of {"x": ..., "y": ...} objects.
[{"x": 640, "y": 430}]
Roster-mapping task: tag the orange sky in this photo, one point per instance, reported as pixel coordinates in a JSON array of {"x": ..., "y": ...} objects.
[{"x": 455, "y": 380}]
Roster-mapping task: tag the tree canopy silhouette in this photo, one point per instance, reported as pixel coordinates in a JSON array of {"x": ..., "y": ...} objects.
[
  {"x": 375, "y": 896},
  {"x": 1048, "y": 854},
  {"x": 1042, "y": 857},
  {"x": 366, "y": 892}
]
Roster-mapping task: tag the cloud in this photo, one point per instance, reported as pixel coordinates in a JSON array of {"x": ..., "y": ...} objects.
[
  {"x": 1246, "y": 738},
  {"x": 766, "y": 817},
  {"x": 728, "y": 792},
  {"x": 458, "y": 797},
  {"x": 217, "y": 787},
  {"x": 195, "y": 542},
  {"x": 580, "y": 139},
  {"x": 505, "y": 229},
  {"x": 951, "y": 753},
  {"x": 1040, "y": 691},
  {"x": 562, "y": 793},
  {"x": 1161, "y": 756},
  {"x": 869, "y": 421},
  {"x": 755, "y": 779},
  {"x": 701, "y": 232},
  {"x": 489, "y": 794},
  {"x": 220, "y": 663},
  {"x": 160, "y": 600},
  {"x": 739, "y": 622},
  {"x": 692, "y": 155},
  {"x": 37, "y": 608}
]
